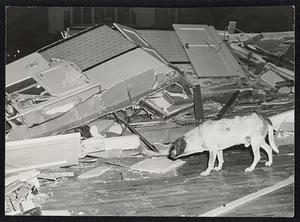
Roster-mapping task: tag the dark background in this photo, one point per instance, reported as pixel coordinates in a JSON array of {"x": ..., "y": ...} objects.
[{"x": 30, "y": 28}]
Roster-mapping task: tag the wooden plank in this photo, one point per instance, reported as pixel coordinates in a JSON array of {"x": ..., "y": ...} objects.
[
  {"x": 42, "y": 152},
  {"x": 96, "y": 144},
  {"x": 198, "y": 106},
  {"x": 94, "y": 172},
  {"x": 115, "y": 153},
  {"x": 55, "y": 175},
  {"x": 157, "y": 165},
  {"x": 237, "y": 203}
]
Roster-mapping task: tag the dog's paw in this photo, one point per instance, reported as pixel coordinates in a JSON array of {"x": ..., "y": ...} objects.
[
  {"x": 268, "y": 163},
  {"x": 249, "y": 169},
  {"x": 204, "y": 173},
  {"x": 217, "y": 168}
]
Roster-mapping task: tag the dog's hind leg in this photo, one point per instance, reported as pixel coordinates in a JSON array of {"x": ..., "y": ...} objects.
[
  {"x": 268, "y": 150},
  {"x": 256, "y": 154},
  {"x": 211, "y": 163},
  {"x": 220, "y": 160}
]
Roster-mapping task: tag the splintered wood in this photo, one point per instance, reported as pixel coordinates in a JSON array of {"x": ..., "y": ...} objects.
[{"x": 157, "y": 165}]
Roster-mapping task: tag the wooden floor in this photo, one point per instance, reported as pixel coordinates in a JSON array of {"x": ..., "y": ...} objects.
[
  {"x": 277, "y": 204},
  {"x": 181, "y": 193}
]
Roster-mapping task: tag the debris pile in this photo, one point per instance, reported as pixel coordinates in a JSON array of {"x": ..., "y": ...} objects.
[
  {"x": 77, "y": 110},
  {"x": 19, "y": 192}
]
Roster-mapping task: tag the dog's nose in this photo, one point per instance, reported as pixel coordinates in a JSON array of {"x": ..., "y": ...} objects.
[{"x": 173, "y": 154}]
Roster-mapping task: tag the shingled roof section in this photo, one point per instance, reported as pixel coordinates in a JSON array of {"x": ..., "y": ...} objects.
[
  {"x": 166, "y": 43},
  {"x": 89, "y": 48}
]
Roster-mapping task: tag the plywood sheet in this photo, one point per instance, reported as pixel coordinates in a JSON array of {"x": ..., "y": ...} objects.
[
  {"x": 124, "y": 67},
  {"x": 209, "y": 56}
]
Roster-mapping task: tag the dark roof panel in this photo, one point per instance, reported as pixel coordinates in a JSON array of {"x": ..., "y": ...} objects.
[
  {"x": 166, "y": 43},
  {"x": 89, "y": 48}
]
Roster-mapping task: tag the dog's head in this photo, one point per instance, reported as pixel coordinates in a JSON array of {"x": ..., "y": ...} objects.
[{"x": 178, "y": 148}]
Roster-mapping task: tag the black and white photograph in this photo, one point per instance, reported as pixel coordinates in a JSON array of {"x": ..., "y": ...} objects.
[{"x": 150, "y": 111}]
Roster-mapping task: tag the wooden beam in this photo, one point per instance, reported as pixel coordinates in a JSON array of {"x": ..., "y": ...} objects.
[
  {"x": 42, "y": 152},
  {"x": 250, "y": 197},
  {"x": 96, "y": 144},
  {"x": 198, "y": 106},
  {"x": 147, "y": 143}
]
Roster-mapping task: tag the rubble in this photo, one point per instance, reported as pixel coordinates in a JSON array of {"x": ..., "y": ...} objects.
[
  {"x": 19, "y": 190},
  {"x": 90, "y": 110}
]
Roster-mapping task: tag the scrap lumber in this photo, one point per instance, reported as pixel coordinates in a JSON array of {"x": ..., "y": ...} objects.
[
  {"x": 157, "y": 165},
  {"x": 24, "y": 176},
  {"x": 96, "y": 172},
  {"x": 250, "y": 197},
  {"x": 42, "y": 152},
  {"x": 96, "y": 144},
  {"x": 55, "y": 175}
]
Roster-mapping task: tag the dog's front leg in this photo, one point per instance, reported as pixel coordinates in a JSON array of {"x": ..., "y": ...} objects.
[
  {"x": 256, "y": 154},
  {"x": 211, "y": 163},
  {"x": 220, "y": 160}
]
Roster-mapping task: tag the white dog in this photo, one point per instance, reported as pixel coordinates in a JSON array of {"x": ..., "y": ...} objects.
[{"x": 215, "y": 136}]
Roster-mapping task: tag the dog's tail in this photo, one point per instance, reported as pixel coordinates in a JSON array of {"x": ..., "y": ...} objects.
[{"x": 271, "y": 136}]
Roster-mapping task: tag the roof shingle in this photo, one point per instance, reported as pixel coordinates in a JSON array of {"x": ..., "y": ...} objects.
[{"x": 89, "y": 48}]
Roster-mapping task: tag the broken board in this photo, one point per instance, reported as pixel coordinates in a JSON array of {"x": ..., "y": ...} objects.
[
  {"x": 208, "y": 54},
  {"x": 42, "y": 152},
  {"x": 157, "y": 165}
]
